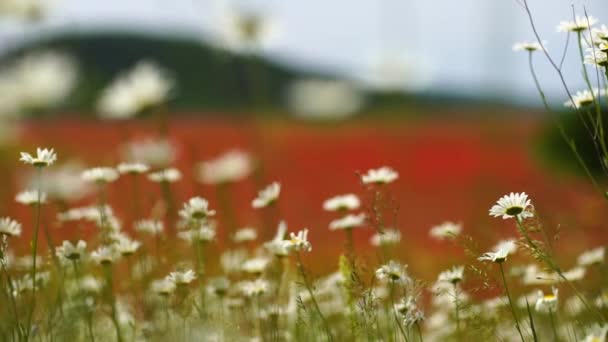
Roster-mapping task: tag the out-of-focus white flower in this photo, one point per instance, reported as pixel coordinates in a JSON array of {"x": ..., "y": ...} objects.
[
  {"x": 255, "y": 265},
  {"x": 299, "y": 241},
  {"x": 37, "y": 81},
  {"x": 592, "y": 256},
  {"x": 155, "y": 153},
  {"x": 24, "y": 9},
  {"x": 218, "y": 286},
  {"x": 91, "y": 284},
  {"x": 195, "y": 209},
  {"x": 597, "y": 334},
  {"x": 100, "y": 175},
  {"x": 393, "y": 272},
  {"x": 254, "y": 288},
  {"x": 163, "y": 287},
  {"x": 44, "y": 157},
  {"x": 126, "y": 246},
  {"x": 132, "y": 168},
  {"x": 278, "y": 245},
  {"x": 386, "y": 237},
  {"x": 446, "y": 230},
  {"x": 348, "y": 222},
  {"x": 85, "y": 213},
  {"x": 30, "y": 197},
  {"x": 245, "y": 29},
  {"x": 582, "y": 98},
  {"x": 9, "y": 227},
  {"x": 547, "y": 302},
  {"x": 397, "y": 71},
  {"x": 204, "y": 233},
  {"x": 244, "y": 235},
  {"x": 105, "y": 255},
  {"x": 596, "y": 57},
  {"x": 318, "y": 99},
  {"x": 152, "y": 227},
  {"x": 170, "y": 175},
  {"x": 342, "y": 202},
  {"x": 383, "y": 175},
  {"x": 529, "y": 46},
  {"x": 229, "y": 167},
  {"x": 512, "y": 205},
  {"x": 181, "y": 278},
  {"x": 146, "y": 86},
  {"x": 63, "y": 183},
  {"x": 579, "y": 24},
  {"x": 452, "y": 276},
  {"x": 500, "y": 253},
  {"x": 232, "y": 260},
  {"x": 267, "y": 196},
  {"x": 600, "y": 33},
  {"x": 70, "y": 251}
]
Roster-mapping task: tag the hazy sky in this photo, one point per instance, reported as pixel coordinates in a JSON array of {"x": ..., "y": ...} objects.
[{"x": 465, "y": 45}]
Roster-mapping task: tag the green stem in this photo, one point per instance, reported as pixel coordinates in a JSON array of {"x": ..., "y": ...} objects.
[
  {"x": 35, "y": 251},
  {"x": 312, "y": 297},
  {"x": 504, "y": 281},
  {"x": 397, "y": 321}
]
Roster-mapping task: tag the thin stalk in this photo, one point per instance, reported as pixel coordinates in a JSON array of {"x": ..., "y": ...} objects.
[
  {"x": 457, "y": 311},
  {"x": 397, "y": 321},
  {"x": 504, "y": 281},
  {"x": 552, "y": 318},
  {"x": 110, "y": 295},
  {"x": 531, "y": 321},
  {"x": 35, "y": 251},
  {"x": 312, "y": 296}
]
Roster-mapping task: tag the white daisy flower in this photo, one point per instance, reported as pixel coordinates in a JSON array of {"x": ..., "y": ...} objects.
[
  {"x": 597, "y": 334},
  {"x": 383, "y": 175},
  {"x": 386, "y": 237},
  {"x": 204, "y": 233},
  {"x": 501, "y": 251},
  {"x": 446, "y": 230},
  {"x": 596, "y": 57},
  {"x": 100, "y": 175},
  {"x": 246, "y": 29},
  {"x": 30, "y": 197},
  {"x": 154, "y": 153},
  {"x": 244, "y": 235},
  {"x": 163, "y": 287},
  {"x": 9, "y": 227},
  {"x": 254, "y": 288},
  {"x": 299, "y": 241},
  {"x": 132, "y": 168},
  {"x": 393, "y": 272},
  {"x": 170, "y": 175},
  {"x": 452, "y": 276},
  {"x": 278, "y": 246},
  {"x": 255, "y": 265},
  {"x": 529, "y": 46},
  {"x": 547, "y": 302},
  {"x": 44, "y": 157},
  {"x": 579, "y": 24},
  {"x": 70, "y": 251},
  {"x": 105, "y": 255},
  {"x": 146, "y": 86},
  {"x": 181, "y": 278},
  {"x": 230, "y": 167},
  {"x": 152, "y": 227},
  {"x": 126, "y": 246},
  {"x": 320, "y": 99},
  {"x": 592, "y": 256},
  {"x": 348, "y": 222},
  {"x": 342, "y": 202},
  {"x": 512, "y": 205},
  {"x": 195, "y": 209},
  {"x": 64, "y": 183},
  {"x": 600, "y": 33},
  {"x": 581, "y": 99},
  {"x": 267, "y": 196}
]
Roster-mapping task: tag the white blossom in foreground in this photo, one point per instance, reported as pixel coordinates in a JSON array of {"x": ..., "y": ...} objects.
[
  {"x": 230, "y": 167},
  {"x": 547, "y": 302},
  {"x": 63, "y": 183},
  {"x": 317, "y": 99},
  {"x": 529, "y": 46},
  {"x": 44, "y": 157},
  {"x": 267, "y": 196},
  {"x": 342, "y": 202},
  {"x": 152, "y": 152},
  {"x": 348, "y": 222},
  {"x": 132, "y": 168},
  {"x": 393, "y": 272},
  {"x": 386, "y": 237},
  {"x": 452, "y": 276},
  {"x": 105, "y": 255},
  {"x": 592, "y": 257},
  {"x": 70, "y": 251},
  {"x": 100, "y": 175},
  {"x": 244, "y": 29},
  {"x": 512, "y": 205},
  {"x": 244, "y": 235},
  {"x": 126, "y": 246},
  {"x": 255, "y": 265},
  {"x": 582, "y": 98},
  {"x": 278, "y": 245},
  {"x": 170, "y": 175},
  {"x": 500, "y": 252},
  {"x": 151, "y": 227},
  {"x": 254, "y": 288},
  {"x": 163, "y": 287},
  {"x": 195, "y": 209},
  {"x": 146, "y": 86},
  {"x": 579, "y": 24},
  {"x": 9, "y": 227},
  {"x": 181, "y": 278},
  {"x": 30, "y": 197},
  {"x": 597, "y": 334},
  {"x": 299, "y": 241},
  {"x": 24, "y": 9},
  {"x": 596, "y": 57},
  {"x": 203, "y": 233},
  {"x": 446, "y": 230},
  {"x": 600, "y": 34},
  {"x": 383, "y": 175}
]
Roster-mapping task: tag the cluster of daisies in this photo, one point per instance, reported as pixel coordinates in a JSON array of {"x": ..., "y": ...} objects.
[{"x": 154, "y": 286}]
